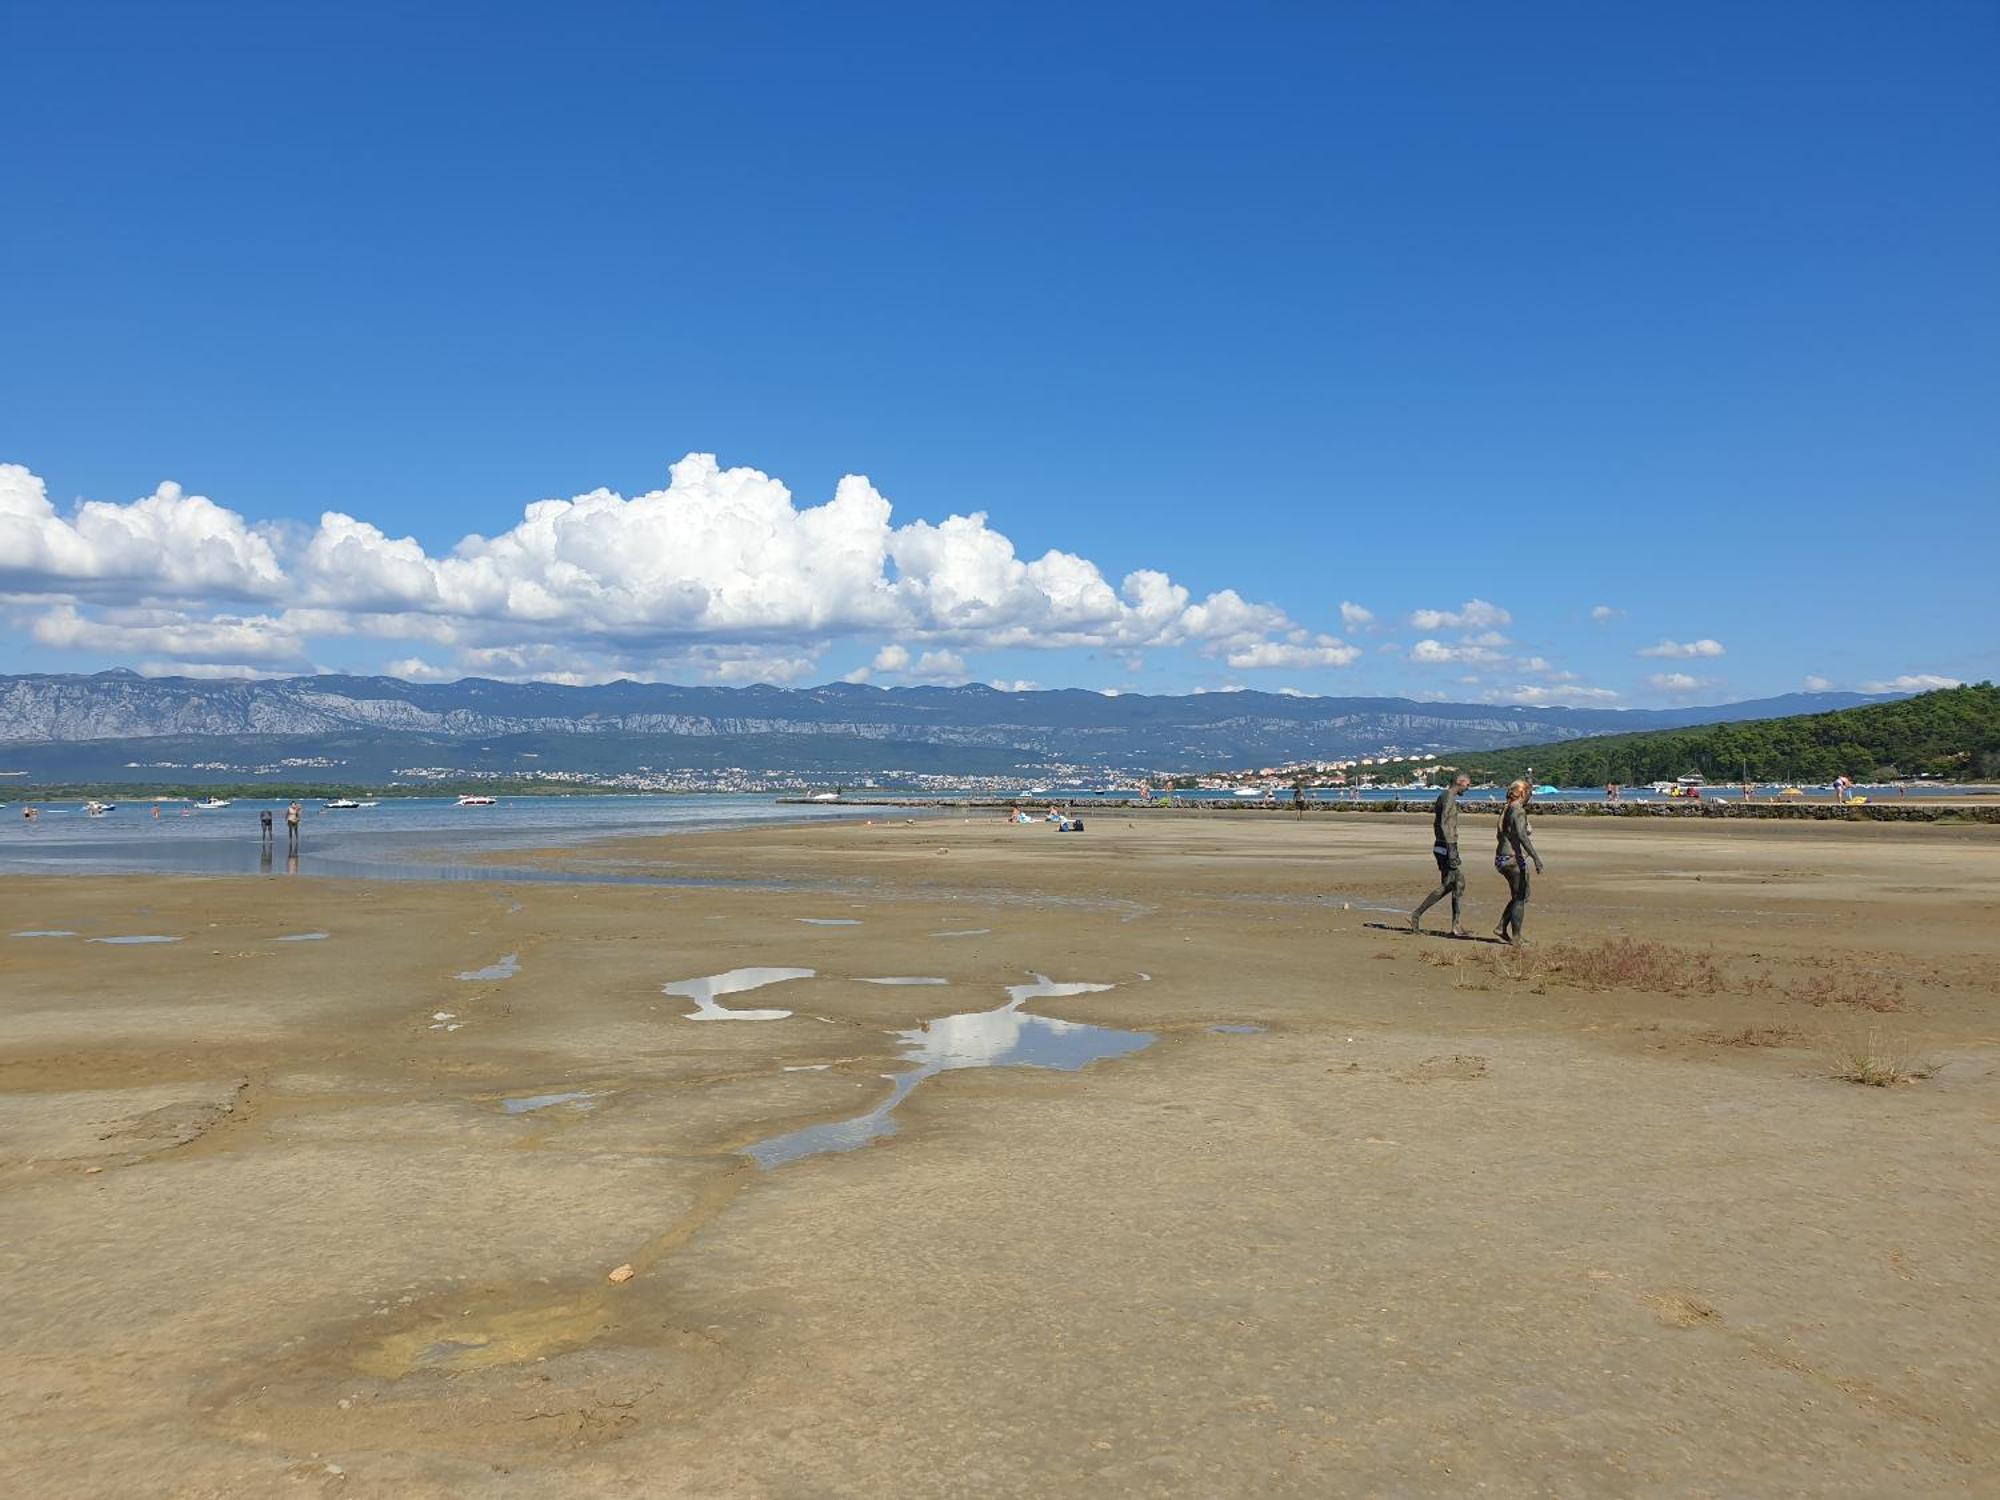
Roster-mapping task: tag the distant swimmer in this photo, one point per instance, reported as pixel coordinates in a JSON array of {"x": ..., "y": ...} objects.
[
  {"x": 1511, "y": 857},
  {"x": 1444, "y": 844}
]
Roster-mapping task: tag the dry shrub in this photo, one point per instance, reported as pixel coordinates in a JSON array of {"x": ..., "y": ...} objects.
[
  {"x": 1629, "y": 964},
  {"x": 1857, "y": 994},
  {"x": 1879, "y": 1060}
]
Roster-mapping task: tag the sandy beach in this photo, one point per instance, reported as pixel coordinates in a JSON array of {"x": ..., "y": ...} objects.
[{"x": 291, "y": 1207}]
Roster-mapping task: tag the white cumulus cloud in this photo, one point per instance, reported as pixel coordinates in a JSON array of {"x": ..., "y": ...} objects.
[
  {"x": 168, "y": 544},
  {"x": 1912, "y": 682},
  {"x": 1684, "y": 649},
  {"x": 1474, "y": 614},
  {"x": 1537, "y": 696},
  {"x": 1602, "y": 612},
  {"x": 1677, "y": 682},
  {"x": 1355, "y": 616},
  {"x": 1437, "y": 653},
  {"x": 134, "y": 632},
  {"x": 1315, "y": 651},
  {"x": 720, "y": 561}
]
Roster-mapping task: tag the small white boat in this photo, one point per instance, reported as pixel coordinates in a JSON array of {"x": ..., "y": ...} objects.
[
  {"x": 99, "y": 809},
  {"x": 477, "y": 801},
  {"x": 1246, "y": 791},
  {"x": 212, "y": 804},
  {"x": 824, "y": 797},
  {"x": 340, "y": 804}
]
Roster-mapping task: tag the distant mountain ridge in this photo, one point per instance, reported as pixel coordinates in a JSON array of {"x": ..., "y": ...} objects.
[{"x": 836, "y": 727}]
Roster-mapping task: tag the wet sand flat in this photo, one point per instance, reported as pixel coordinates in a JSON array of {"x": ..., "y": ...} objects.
[{"x": 339, "y": 1216}]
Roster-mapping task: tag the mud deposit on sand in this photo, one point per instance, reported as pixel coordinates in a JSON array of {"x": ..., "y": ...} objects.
[{"x": 1428, "y": 1218}]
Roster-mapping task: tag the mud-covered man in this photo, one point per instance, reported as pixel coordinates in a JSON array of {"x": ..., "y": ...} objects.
[{"x": 1444, "y": 844}]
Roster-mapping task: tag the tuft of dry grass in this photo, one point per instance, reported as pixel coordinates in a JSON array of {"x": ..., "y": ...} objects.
[
  {"x": 1879, "y": 1060},
  {"x": 1630, "y": 964},
  {"x": 1618, "y": 964},
  {"x": 1858, "y": 994}
]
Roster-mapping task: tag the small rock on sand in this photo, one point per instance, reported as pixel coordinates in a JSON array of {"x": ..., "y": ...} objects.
[{"x": 622, "y": 1274}]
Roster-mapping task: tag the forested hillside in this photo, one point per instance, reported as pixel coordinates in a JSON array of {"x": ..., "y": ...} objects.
[{"x": 1954, "y": 733}]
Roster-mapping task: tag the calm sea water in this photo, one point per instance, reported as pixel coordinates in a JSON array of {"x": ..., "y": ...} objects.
[
  {"x": 415, "y": 838},
  {"x": 432, "y": 838}
]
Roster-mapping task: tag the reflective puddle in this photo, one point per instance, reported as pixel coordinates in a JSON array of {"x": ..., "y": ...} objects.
[
  {"x": 505, "y": 968},
  {"x": 963, "y": 932},
  {"x": 142, "y": 938},
  {"x": 830, "y": 921},
  {"x": 1234, "y": 1029},
  {"x": 529, "y": 1103},
  {"x": 1008, "y": 1037},
  {"x": 711, "y": 987},
  {"x": 905, "y": 979},
  {"x": 50, "y": 932},
  {"x": 302, "y": 937}
]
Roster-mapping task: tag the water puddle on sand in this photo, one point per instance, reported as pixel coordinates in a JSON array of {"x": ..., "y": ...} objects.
[
  {"x": 829, "y": 921},
  {"x": 710, "y": 987},
  {"x": 302, "y": 937},
  {"x": 529, "y": 1103},
  {"x": 905, "y": 979},
  {"x": 50, "y": 932},
  {"x": 143, "y": 938},
  {"x": 963, "y": 932},
  {"x": 506, "y": 968},
  {"x": 1238, "y": 1029},
  {"x": 1008, "y": 1037}
]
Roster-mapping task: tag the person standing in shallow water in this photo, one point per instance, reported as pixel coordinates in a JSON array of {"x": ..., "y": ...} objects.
[
  {"x": 1444, "y": 844},
  {"x": 292, "y": 826},
  {"x": 1511, "y": 857}
]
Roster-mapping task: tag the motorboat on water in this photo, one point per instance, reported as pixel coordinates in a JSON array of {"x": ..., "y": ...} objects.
[
  {"x": 469, "y": 801},
  {"x": 340, "y": 804},
  {"x": 99, "y": 809},
  {"x": 211, "y": 804},
  {"x": 824, "y": 797}
]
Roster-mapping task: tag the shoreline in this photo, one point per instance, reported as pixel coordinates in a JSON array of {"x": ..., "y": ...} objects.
[{"x": 1970, "y": 809}]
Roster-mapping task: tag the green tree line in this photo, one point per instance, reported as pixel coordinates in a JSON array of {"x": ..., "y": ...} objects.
[{"x": 1953, "y": 733}]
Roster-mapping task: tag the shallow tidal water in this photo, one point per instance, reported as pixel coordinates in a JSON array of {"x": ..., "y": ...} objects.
[{"x": 1005, "y": 1037}]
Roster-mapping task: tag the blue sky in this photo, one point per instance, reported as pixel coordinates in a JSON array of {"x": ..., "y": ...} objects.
[{"x": 1486, "y": 316}]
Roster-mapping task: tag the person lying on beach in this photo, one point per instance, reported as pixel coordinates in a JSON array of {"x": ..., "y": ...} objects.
[
  {"x": 1444, "y": 845},
  {"x": 1516, "y": 847}
]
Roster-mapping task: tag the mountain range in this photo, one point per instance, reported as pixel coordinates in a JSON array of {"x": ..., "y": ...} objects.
[{"x": 373, "y": 728}]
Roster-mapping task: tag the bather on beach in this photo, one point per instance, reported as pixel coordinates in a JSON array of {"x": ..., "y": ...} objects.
[
  {"x": 1444, "y": 845},
  {"x": 1511, "y": 857}
]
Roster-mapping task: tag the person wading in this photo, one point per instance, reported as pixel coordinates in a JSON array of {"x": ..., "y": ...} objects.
[
  {"x": 1444, "y": 844},
  {"x": 1511, "y": 857}
]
